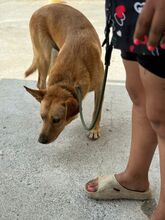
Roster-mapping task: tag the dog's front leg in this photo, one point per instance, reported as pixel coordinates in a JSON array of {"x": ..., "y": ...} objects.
[{"x": 95, "y": 132}]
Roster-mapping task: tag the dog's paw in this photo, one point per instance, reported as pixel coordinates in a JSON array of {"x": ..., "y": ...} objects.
[{"x": 94, "y": 134}]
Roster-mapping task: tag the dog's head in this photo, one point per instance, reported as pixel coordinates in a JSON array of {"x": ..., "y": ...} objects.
[{"x": 57, "y": 110}]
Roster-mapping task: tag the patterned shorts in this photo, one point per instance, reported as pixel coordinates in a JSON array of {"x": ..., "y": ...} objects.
[{"x": 122, "y": 16}]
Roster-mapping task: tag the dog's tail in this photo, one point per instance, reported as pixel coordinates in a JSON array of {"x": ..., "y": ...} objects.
[{"x": 32, "y": 68}]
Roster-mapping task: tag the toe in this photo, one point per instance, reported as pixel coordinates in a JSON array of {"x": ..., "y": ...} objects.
[
  {"x": 92, "y": 185},
  {"x": 94, "y": 134}
]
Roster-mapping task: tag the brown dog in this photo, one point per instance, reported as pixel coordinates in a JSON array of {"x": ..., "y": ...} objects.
[{"x": 77, "y": 63}]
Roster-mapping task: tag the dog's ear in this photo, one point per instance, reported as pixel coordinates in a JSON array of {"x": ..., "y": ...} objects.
[
  {"x": 38, "y": 94},
  {"x": 72, "y": 108}
]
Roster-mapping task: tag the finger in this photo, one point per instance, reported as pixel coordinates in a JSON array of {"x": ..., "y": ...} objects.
[
  {"x": 157, "y": 28},
  {"x": 162, "y": 42},
  {"x": 144, "y": 22}
]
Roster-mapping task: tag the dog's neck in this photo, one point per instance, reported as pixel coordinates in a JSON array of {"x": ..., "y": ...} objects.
[
  {"x": 65, "y": 83},
  {"x": 68, "y": 88},
  {"x": 68, "y": 79},
  {"x": 63, "y": 89},
  {"x": 67, "y": 73},
  {"x": 57, "y": 77}
]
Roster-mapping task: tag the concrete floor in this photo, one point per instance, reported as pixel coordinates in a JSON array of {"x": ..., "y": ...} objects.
[{"x": 46, "y": 182}]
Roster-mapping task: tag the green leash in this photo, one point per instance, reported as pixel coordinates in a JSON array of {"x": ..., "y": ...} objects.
[{"x": 108, "y": 54}]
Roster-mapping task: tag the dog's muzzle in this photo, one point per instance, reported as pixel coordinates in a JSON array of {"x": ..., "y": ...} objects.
[{"x": 43, "y": 139}]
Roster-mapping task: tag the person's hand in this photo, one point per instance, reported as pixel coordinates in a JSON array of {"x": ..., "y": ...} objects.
[{"x": 151, "y": 24}]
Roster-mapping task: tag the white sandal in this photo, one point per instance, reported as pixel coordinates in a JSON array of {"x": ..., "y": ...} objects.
[{"x": 109, "y": 188}]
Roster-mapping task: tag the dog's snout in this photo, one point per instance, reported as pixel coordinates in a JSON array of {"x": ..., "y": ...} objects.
[{"x": 43, "y": 139}]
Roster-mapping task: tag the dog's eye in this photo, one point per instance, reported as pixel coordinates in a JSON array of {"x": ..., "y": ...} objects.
[{"x": 56, "y": 120}]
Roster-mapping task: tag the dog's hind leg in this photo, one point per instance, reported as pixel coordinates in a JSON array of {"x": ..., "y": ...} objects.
[
  {"x": 43, "y": 67},
  {"x": 41, "y": 59},
  {"x": 44, "y": 58},
  {"x": 54, "y": 55}
]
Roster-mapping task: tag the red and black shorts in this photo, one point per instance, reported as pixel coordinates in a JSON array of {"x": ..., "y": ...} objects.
[{"x": 122, "y": 15}]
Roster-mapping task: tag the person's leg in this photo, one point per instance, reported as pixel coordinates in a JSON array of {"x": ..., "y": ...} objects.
[
  {"x": 155, "y": 106},
  {"x": 159, "y": 213},
  {"x": 144, "y": 140}
]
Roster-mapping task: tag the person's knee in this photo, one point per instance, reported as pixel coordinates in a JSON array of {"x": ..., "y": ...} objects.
[
  {"x": 135, "y": 96},
  {"x": 156, "y": 116}
]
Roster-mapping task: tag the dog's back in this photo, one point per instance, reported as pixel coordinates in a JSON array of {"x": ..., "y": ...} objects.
[
  {"x": 54, "y": 25},
  {"x": 65, "y": 20},
  {"x": 64, "y": 28}
]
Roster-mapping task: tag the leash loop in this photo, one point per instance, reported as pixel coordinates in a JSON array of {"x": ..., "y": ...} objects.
[{"x": 108, "y": 53}]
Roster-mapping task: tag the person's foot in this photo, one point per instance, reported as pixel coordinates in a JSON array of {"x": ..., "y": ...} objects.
[{"x": 135, "y": 184}]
